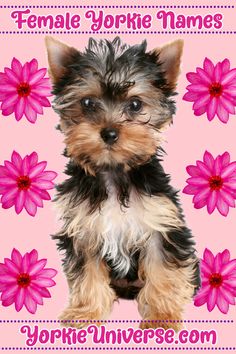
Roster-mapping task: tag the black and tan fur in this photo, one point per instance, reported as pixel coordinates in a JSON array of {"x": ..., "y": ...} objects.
[{"x": 124, "y": 234}]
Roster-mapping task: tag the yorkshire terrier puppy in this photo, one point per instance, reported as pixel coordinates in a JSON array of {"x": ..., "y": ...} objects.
[{"x": 124, "y": 234}]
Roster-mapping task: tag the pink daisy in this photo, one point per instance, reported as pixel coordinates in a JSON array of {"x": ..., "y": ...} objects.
[
  {"x": 213, "y": 183},
  {"x": 218, "y": 275},
  {"x": 24, "y": 90},
  {"x": 213, "y": 90},
  {"x": 24, "y": 280},
  {"x": 24, "y": 183}
]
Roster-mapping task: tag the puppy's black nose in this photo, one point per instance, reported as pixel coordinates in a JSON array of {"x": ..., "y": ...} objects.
[{"x": 109, "y": 135}]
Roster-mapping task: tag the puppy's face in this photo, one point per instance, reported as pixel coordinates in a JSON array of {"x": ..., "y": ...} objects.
[{"x": 113, "y": 100}]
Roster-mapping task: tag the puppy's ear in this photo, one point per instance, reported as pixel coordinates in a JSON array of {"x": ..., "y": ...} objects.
[
  {"x": 170, "y": 56},
  {"x": 60, "y": 56}
]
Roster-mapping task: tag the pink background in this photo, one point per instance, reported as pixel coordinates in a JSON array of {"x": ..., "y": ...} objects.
[{"x": 187, "y": 140}]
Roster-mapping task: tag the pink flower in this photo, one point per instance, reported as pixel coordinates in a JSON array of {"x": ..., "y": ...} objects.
[
  {"x": 213, "y": 183},
  {"x": 213, "y": 90},
  {"x": 23, "y": 183},
  {"x": 24, "y": 280},
  {"x": 24, "y": 90},
  {"x": 218, "y": 275}
]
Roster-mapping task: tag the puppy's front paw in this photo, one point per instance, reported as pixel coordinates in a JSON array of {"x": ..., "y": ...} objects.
[{"x": 75, "y": 317}]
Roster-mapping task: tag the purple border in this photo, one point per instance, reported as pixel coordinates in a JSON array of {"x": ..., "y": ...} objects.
[
  {"x": 118, "y": 348},
  {"x": 115, "y": 321},
  {"x": 118, "y": 6},
  {"x": 118, "y": 32}
]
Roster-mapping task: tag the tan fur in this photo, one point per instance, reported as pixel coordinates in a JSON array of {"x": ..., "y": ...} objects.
[
  {"x": 166, "y": 291},
  {"x": 135, "y": 145},
  {"x": 114, "y": 231},
  {"x": 91, "y": 297},
  {"x": 170, "y": 57},
  {"x": 59, "y": 55}
]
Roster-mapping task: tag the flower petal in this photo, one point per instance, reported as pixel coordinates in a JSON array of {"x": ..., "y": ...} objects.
[
  {"x": 200, "y": 204},
  {"x": 203, "y": 100},
  {"x": 12, "y": 268},
  {"x": 12, "y": 77},
  {"x": 209, "y": 160},
  {"x": 43, "y": 282},
  {"x": 25, "y": 73},
  {"x": 228, "y": 170},
  {"x": 16, "y": 160},
  {"x": 33, "y": 66},
  {"x": 48, "y": 175},
  {"x": 44, "y": 292},
  {"x": 35, "y": 295},
  {"x": 227, "y": 104},
  {"x": 20, "y": 298},
  {"x": 204, "y": 169},
  {"x": 30, "y": 113},
  {"x": 10, "y": 292},
  {"x": 225, "y": 159},
  {"x": 9, "y": 195},
  {"x": 228, "y": 268},
  {"x": 42, "y": 91},
  {"x": 29, "y": 302},
  {"x": 9, "y": 101},
  {"x": 202, "y": 194},
  {"x": 209, "y": 258},
  {"x": 198, "y": 181},
  {"x": 25, "y": 263},
  {"x": 47, "y": 273},
  {"x": 35, "y": 198},
  {"x": 227, "y": 294},
  {"x": 43, "y": 184},
  {"x": 30, "y": 206},
  {"x": 228, "y": 77},
  {"x": 211, "y": 201},
  {"x": 20, "y": 200},
  {"x": 33, "y": 159},
  {"x": 222, "y": 206},
  {"x": 193, "y": 77},
  {"x": 200, "y": 110},
  {"x": 7, "y": 279},
  {"x": 36, "y": 170},
  {"x": 202, "y": 296},
  {"x": 204, "y": 76},
  {"x": 227, "y": 197},
  {"x": 37, "y": 267},
  {"x": 37, "y": 76},
  {"x": 221, "y": 302},
  {"x": 36, "y": 106},
  {"x": 44, "y": 101},
  {"x": 16, "y": 257},
  {"x": 16, "y": 67},
  {"x": 206, "y": 268},
  {"x": 208, "y": 67},
  {"x": 11, "y": 169},
  {"x": 191, "y": 96},
  {"x": 190, "y": 189},
  {"x": 225, "y": 66},
  {"x": 211, "y": 302},
  {"x": 19, "y": 109},
  {"x": 212, "y": 107},
  {"x": 25, "y": 166},
  {"x": 33, "y": 256},
  {"x": 217, "y": 72}
]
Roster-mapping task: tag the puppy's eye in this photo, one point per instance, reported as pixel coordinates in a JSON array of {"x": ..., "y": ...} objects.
[
  {"x": 88, "y": 103},
  {"x": 135, "y": 105}
]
